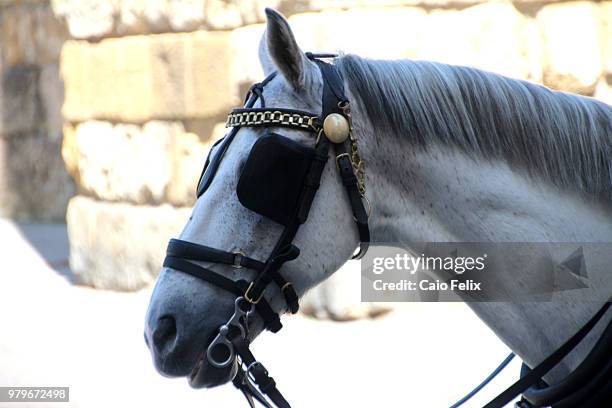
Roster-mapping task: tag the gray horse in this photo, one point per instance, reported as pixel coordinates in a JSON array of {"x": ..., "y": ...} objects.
[{"x": 452, "y": 153}]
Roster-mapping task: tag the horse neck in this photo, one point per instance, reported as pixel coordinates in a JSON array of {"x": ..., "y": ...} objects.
[{"x": 442, "y": 195}]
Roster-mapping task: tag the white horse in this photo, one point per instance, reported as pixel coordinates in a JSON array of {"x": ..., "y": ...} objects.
[{"x": 452, "y": 153}]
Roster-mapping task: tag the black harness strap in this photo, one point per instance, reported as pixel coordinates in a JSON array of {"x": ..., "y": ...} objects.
[
  {"x": 197, "y": 252},
  {"x": 591, "y": 375},
  {"x": 258, "y": 373},
  {"x": 249, "y": 391},
  {"x": 349, "y": 180},
  {"x": 270, "y": 318},
  {"x": 545, "y": 366},
  {"x": 333, "y": 98}
]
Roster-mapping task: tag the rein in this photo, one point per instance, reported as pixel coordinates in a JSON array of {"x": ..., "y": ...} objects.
[{"x": 332, "y": 128}]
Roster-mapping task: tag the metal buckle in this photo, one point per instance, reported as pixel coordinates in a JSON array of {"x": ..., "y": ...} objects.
[
  {"x": 285, "y": 286},
  {"x": 238, "y": 258},
  {"x": 342, "y": 155},
  {"x": 248, "y": 298},
  {"x": 254, "y": 364}
]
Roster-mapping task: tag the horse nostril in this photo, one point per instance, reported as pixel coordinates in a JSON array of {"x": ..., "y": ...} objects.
[{"x": 164, "y": 333}]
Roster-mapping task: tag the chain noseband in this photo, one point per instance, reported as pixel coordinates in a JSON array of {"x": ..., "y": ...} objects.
[{"x": 232, "y": 339}]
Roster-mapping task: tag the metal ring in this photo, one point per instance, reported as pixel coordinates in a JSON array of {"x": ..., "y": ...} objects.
[{"x": 221, "y": 340}]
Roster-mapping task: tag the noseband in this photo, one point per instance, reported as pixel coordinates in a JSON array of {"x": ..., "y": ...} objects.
[{"x": 284, "y": 196}]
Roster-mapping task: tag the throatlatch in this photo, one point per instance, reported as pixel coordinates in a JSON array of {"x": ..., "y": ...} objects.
[{"x": 279, "y": 181}]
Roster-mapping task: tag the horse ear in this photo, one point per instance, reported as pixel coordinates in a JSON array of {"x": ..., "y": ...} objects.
[{"x": 279, "y": 49}]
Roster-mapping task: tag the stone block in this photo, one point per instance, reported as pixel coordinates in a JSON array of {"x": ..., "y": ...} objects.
[
  {"x": 34, "y": 185},
  {"x": 142, "y": 16},
  {"x": 186, "y": 15},
  {"x": 344, "y": 4},
  {"x": 139, "y": 78},
  {"x": 51, "y": 94},
  {"x": 491, "y": 36},
  {"x": 87, "y": 18},
  {"x": 212, "y": 91},
  {"x": 16, "y": 37},
  {"x": 189, "y": 155},
  {"x": 49, "y": 33},
  {"x": 153, "y": 164},
  {"x": 32, "y": 97},
  {"x": 245, "y": 69},
  {"x": 22, "y": 110},
  {"x": 230, "y": 14},
  {"x": 120, "y": 246},
  {"x": 122, "y": 162},
  {"x": 170, "y": 59},
  {"x": 108, "y": 80},
  {"x": 330, "y": 31},
  {"x": 70, "y": 152},
  {"x": 573, "y": 60},
  {"x": 74, "y": 71}
]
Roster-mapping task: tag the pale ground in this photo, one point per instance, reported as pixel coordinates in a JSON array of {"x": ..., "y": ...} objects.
[{"x": 55, "y": 333}]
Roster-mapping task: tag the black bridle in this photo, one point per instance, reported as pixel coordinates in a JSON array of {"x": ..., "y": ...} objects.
[{"x": 233, "y": 338}]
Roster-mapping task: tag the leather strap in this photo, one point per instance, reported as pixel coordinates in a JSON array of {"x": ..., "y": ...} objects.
[
  {"x": 333, "y": 95},
  {"x": 270, "y": 318},
  {"x": 249, "y": 391},
  {"x": 259, "y": 284},
  {"x": 258, "y": 373},
  {"x": 586, "y": 379},
  {"x": 545, "y": 366},
  {"x": 196, "y": 252},
  {"x": 360, "y": 214}
]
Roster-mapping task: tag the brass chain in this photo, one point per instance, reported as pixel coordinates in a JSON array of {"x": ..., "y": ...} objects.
[{"x": 270, "y": 117}]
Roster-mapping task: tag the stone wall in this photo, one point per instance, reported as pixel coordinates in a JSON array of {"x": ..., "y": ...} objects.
[
  {"x": 33, "y": 182},
  {"x": 148, "y": 83}
]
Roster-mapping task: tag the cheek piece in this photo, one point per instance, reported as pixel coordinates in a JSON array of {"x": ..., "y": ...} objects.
[{"x": 279, "y": 181}]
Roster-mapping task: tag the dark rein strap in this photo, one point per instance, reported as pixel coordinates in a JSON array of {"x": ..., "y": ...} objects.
[{"x": 534, "y": 376}]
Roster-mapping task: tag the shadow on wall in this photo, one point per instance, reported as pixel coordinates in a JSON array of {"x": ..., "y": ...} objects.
[
  {"x": 34, "y": 185},
  {"x": 51, "y": 243}
]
